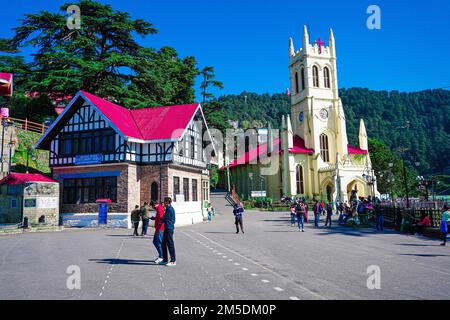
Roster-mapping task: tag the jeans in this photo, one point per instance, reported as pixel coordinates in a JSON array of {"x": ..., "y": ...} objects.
[
  {"x": 136, "y": 226},
  {"x": 328, "y": 220},
  {"x": 238, "y": 222},
  {"x": 300, "y": 220},
  {"x": 157, "y": 242},
  {"x": 144, "y": 226},
  {"x": 167, "y": 243},
  {"x": 380, "y": 223},
  {"x": 292, "y": 218},
  {"x": 316, "y": 219}
]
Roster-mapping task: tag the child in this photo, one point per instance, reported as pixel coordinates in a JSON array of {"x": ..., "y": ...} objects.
[
  {"x": 293, "y": 212},
  {"x": 210, "y": 212}
]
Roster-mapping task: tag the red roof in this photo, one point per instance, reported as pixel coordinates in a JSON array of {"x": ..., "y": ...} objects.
[
  {"x": 158, "y": 123},
  {"x": 355, "y": 150},
  {"x": 6, "y": 76},
  {"x": 260, "y": 151},
  {"x": 6, "y": 84},
  {"x": 22, "y": 178}
]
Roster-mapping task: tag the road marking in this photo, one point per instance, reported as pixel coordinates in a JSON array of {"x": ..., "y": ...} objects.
[
  {"x": 245, "y": 269},
  {"x": 111, "y": 268},
  {"x": 236, "y": 264},
  {"x": 263, "y": 267},
  {"x": 278, "y": 289},
  {"x": 230, "y": 260},
  {"x": 265, "y": 281},
  {"x": 253, "y": 274},
  {"x": 224, "y": 257},
  {"x": 294, "y": 298}
]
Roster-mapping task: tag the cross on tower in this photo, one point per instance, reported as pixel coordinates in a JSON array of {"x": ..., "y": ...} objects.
[{"x": 319, "y": 43}]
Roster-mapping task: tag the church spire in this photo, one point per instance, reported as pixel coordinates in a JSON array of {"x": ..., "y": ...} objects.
[
  {"x": 291, "y": 47},
  {"x": 363, "y": 144},
  {"x": 331, "y": 44},
  {"x": 305, "y": 42}
]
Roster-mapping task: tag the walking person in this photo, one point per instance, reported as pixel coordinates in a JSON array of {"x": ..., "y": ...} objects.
[
  {"x": 135, "y": 218},
  {"x": 211, "y": 212},
  {"x": 293, "y": 213},
  {"x": 316, "y": 210},
  {"x": 380, "y": 218},
  {"x": 238, "y": 216},
  {"x": 445, "y": 224},
  {"x": 329, "y": 213},
  {"x": 300, "y": 211},
  {"x": 167, "y": 240},
  {"x": 159, "y": 229},
  {"x": 145, "y": 216}
]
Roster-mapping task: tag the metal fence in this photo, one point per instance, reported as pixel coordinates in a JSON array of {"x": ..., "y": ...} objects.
[{"x": 393, "y": 215}]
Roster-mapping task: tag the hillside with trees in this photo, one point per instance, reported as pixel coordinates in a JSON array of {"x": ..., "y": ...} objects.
[{"x": 417, "y": 121}]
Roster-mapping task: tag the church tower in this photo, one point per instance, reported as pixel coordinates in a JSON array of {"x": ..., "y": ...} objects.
[{"x": 316, "y": 109}]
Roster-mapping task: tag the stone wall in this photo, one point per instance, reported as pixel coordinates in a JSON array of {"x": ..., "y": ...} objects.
[{"x": 42, "y": 199}]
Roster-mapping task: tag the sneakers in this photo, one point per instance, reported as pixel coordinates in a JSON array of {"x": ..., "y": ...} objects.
[
  {"x": 162, "y": 263},
  {"x": 443, "y": 244},
  {"x": 158, "y": 260},
  {"x": 171, "y": 264}
]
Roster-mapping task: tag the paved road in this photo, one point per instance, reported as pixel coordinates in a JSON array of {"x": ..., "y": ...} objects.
[{"x": 272, "y": 260}]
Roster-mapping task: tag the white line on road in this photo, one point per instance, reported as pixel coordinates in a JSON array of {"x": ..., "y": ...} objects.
[
  {"x": 294, "y": 298},
  {"x": 245, "y": 269},
  {"x": 253, "y": 274},
  {"x": 263, "y": 267},
  {"x": 265, "y": 281},
  {"x": 278, "y": 289},
  {"x": 236, "y": 264}
]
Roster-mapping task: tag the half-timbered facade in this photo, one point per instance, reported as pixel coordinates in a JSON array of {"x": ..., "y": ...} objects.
[{"x": 101, "y": 150}]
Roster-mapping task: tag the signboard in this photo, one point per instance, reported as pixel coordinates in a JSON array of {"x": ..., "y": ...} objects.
[
  {"x": 258, "y": 194},
  {"x": 47, "y": 202},
  {"x": 102, "y": 213},
  {"x": 88, "y": 159}
]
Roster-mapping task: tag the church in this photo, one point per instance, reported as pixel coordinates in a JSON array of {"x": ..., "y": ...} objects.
[{"x": 311, "y": 153}]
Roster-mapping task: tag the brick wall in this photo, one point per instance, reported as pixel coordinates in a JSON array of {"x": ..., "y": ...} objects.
[{"x": 148, "y": 175}]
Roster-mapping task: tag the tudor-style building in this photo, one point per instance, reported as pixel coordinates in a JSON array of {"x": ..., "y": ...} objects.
[{"x": 101, "y": 150}]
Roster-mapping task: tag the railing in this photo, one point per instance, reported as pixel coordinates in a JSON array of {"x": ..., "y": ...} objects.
[
  {"x": 394, "y": 215},
  {"x": 28, "y": 125}
]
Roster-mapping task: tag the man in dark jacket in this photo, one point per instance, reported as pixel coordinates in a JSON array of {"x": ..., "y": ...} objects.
[
  {"x": 135, "y": 217},
  {"x": 238, "y": 212},
  {"x": 145, "y": 216},
  {"x": 167, "y": 241}
]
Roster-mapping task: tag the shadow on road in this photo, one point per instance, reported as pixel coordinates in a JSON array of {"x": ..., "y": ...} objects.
[
  {"x": 125, "y": 261},
  {"x": 424, "y": 255},
  {"x": 415, "y": 245}
]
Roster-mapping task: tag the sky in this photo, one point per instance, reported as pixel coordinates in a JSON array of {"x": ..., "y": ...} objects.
[{"x": 247, "y": 41}]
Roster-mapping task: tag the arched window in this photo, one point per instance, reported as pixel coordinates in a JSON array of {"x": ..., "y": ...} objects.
[
  {"x": 296, "y": 82},
  {"x": 315, "y": 76},
  {"x": 324, "y": 151},
  {"x": 300, "y": 183},
  {"x": 326, "y": 77},
  {"x": 154, "y": 192},
  {"x": 302, "y": 77}
]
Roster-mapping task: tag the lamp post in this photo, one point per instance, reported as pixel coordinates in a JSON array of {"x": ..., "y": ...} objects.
[{"x": 29, "y": 150}]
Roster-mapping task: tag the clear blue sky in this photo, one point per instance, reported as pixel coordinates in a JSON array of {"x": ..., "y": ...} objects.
[{"x": 247, "y": 41}]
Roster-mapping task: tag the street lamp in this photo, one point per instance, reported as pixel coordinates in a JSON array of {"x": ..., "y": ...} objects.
[{"x": 29, "y": 150}]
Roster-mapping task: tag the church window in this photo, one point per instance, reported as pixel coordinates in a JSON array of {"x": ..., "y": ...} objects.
[
  {"x": 326, "y": 77},
  {"x": 315, "y": 76},
  {"x": 186, "y": 189},
  {"x": 302, "y": 78},
  {"x": 324, "y": 150},
  {"x": 296, "y": 83},
  {"x": 300, "y": 181}
]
